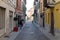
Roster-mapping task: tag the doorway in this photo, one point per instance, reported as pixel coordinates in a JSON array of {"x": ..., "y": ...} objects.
[
  {"x": 10, "y": 20},
  {"x": 2, "y": 20}
]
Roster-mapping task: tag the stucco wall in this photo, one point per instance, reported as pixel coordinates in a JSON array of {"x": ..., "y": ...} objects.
[
  {"x": 8, "y": 8},
  {"x": 57, "y": 16}
]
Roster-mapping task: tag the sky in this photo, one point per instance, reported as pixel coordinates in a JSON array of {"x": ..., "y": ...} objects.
[{"x": 29, "y": 4}]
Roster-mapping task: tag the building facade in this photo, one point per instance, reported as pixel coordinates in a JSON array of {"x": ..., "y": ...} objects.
[
  {"x": 19, "y": 7},
  {"x": 41, "y": 13},
  {"x": 51, "y": 15},
  {"x": 24, "y": 9},
  {"x": 19, "y": 11},
  {"x": 36, "y": 13},
  {"x": 7, "y": 10},
  {"x": 56, "y": 16}
]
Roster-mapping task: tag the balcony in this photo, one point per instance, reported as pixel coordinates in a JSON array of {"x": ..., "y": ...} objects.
[
  {"x": 25, "y": 1},
  {"x": 36, "y": 0},
  {"x": 36, "y": 6},
  {"x": 49, "y": 4}
]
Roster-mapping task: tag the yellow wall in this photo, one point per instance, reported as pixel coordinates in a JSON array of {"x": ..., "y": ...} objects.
[
  {"x": 57, "y": 1},
  {"x": 48, "y": 16},
  {"x": 57, "y": 15}
]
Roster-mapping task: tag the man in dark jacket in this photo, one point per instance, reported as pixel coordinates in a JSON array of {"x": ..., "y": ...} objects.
[{"x": 21, "y": 23}]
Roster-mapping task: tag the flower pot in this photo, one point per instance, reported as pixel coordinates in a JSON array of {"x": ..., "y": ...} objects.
[{"x": 15, "y": 29}]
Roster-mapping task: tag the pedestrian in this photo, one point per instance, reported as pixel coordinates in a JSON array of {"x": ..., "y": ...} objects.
[{"x": 21, "y": 23}]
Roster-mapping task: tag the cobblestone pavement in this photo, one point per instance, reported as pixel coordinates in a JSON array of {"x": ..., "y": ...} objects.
[{"x": 30, "y": 32}]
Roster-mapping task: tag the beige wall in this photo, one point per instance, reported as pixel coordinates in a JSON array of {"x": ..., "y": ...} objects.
[
  {"x": 41, "y": 6},
  {"x": 41, "y": 11},
  {"x": 8, "y": 8},
  {"x": 2, "y": 20}
]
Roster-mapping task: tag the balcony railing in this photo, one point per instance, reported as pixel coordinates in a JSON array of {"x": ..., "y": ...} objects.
[
  {"x": 49, "y": 3},
  {"x": 36, "y": 0}
]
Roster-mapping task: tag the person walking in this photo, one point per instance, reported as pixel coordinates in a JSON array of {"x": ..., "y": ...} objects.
[{"x": 21, "y": 23}]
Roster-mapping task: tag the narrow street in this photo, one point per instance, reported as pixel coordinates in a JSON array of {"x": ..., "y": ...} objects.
[
  {"x": 30, "y": 32},
  {"x": 16, "y": 18}
]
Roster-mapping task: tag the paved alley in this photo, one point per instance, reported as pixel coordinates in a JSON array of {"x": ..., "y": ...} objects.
[{"x": 30, "y": 32}]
